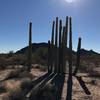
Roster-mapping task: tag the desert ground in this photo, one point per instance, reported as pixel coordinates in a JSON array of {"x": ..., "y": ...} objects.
[{"x": 18, "y": 84}]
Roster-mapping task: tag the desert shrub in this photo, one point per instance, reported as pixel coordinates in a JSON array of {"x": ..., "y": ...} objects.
[
  {"x": 40, "y": 56},
  {"x": 42, "y": 52},
  {"x": 43, "y": 68},
  {"x": 46, "y": 93},
  {"x": 83, "y": 66},
  {"x": 20, "y": 59},
  {"x": 3, "y": 62},
  {"x": 10, "y": 54},
  {"x": 16, "y": 59}
]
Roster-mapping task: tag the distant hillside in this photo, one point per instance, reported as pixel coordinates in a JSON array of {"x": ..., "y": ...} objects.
[
  {"x": 89, "y": 59},
  {"x": 88, "y": 52},
  {"x": 40, "y": 51},
  {"x": 36, "y": 46}
]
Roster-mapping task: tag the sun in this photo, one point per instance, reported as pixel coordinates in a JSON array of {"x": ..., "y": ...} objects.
[{"x": 70, "y": 1}]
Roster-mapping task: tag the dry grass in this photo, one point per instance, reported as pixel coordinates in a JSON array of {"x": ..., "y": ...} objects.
[
  {"x": 14, "y": 87},
  {"x": 78, "y": 93}
]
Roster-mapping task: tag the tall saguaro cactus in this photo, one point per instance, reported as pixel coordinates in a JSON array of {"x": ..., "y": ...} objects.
[
  {"x": 69, "y": 88},
  {"x": 56, "y": 33},
  {"x": 63, "y": 51},
  {"x": 66, "y": 40},
  {"x": 52, "y": 38},
  {"x": 65, "y": 35},
  {"x": 60, "y": 30},
  {"x": 56, "y": 44},
  {"x": 60, "y": 40},
  {"x": 58, "y": 49},
  {"x": 78, "y": 57},
  {"x": 70, "y": 46},
  {"x": 30, "y": 47},
  {"x": 66, "y": 31},
  {"x": 52, "y": 46}
]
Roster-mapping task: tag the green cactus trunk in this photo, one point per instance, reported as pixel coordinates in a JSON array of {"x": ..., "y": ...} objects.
[
  {"x": 66, "y": 31},
  {"x": 70, "y": 48},
  {"x": 30, "y": 47},
  {"x": 52, "y": 38},
  {"x": 78, "y": 57},
  {"x": 56, "y": 47},
  {"x": 65, "y": 45},
  {"x": 52, "y": 47},
  {"x": 69, "y": 82},
  {"x": 49, "y": 57},
  {"x": 63, "y": 52},
  {"x": 60, "y": 53}
]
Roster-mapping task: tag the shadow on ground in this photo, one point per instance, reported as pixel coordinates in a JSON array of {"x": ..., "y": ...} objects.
[{"x": 48, "y": 87}]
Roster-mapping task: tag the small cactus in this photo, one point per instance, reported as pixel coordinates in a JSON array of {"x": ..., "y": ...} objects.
[{"x": 49, "y": 57}]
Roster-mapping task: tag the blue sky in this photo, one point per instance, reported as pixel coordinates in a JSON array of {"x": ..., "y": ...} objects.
[{"x": 15, "y": 16}]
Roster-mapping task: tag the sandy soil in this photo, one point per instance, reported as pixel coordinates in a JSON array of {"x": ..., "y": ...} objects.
[{"x": 78, "y": 93}]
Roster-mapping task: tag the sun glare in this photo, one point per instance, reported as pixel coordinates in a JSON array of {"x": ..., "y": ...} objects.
[{"x": 70, "y": 1}]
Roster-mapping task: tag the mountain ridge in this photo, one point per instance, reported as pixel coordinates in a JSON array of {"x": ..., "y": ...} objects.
[{"x": 35, "y": 46}]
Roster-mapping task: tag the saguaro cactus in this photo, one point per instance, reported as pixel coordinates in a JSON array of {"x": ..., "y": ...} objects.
[
  {"x": 65, "y": 44},
  {"x": 65, "y": 35},
  {"x": 63, "y": 50},
  {"x": 56, "y": 33},
  {"x": 49, "y": 57},
  {"x": 30, "y": 47},
  {"x": 66, "y": 31},
  {"x": 78, "y": 57},
  {"x": 70, "y": 47},
  {"x": 56, "y": 44},
  {"x": 69, "y": 88},
  {"x": 52, "y": 46},
  {"x": 60, "y": 55},
  {"x": 60, "y": 30},
  {"x": 52, "y": 38}
]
